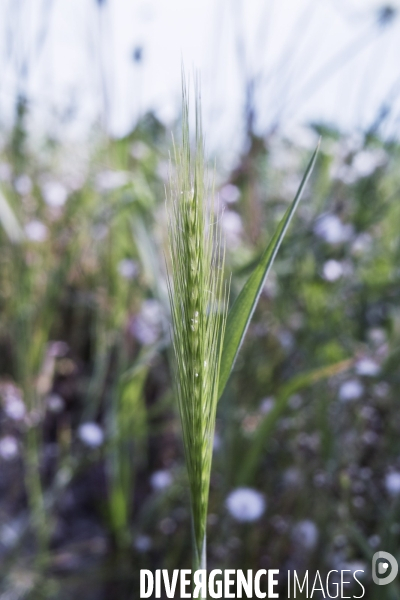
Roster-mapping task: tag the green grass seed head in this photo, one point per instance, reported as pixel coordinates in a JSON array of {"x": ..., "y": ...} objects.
[{"x": 197, "y": 297}]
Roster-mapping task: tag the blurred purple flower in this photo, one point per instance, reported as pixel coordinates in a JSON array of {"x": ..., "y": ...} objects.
[
  {"x": 351, "y": 390},
  {"x": 91, "y": 434},
  {"x": 23, "y": 185},
  {"x": 332, "y": 270},
  {"x": 146, "y": 327},
  {"x": 127, "y": 268},
  {"x": 13, "y": 403},
  {"x": 36, "y": 231},
  {"x": 246, "y": 504},
  {"x": 54, "y": 193},
  {"x": 305, "y": 534},
  {"x": 55, "y": 403},
  {"x": 8, "y": 447},
  {"x": 229, "y": 193},
  {"x": 392, "y": 483},
  {"x": 160, "y": 479},
  {"x": 331, "y": 229},
  {"x": 367, "y": 367}
]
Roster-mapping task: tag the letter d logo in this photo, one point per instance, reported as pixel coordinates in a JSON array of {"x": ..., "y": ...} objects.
[{"x": 382, "y": 567}]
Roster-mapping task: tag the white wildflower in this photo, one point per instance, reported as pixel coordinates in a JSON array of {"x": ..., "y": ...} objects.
[
  {"x": 305, "y": 534},
  {"x": 332, "y": 270},
  {"x": 36, "y": 231},
  {"x": 23, "y": 185},
  {"x": 344, "y": 172},
  {"x": 14, "y": 406},
  {"x": 392, "y": 483},
  {"x": 10, "y": 533},
  {"x": 54, "y": 193},
  {"x": 147, "y": 325},
  {"x": 15, "y": 409},
  {"x": 127, "y": 268},
  {"x": 367, "y": 161},
  {"x": 229, "y": 193},
  {"x": 267, "y": 404},
  {"x": 246, "y": 504},
  {"x": 351, "y": 390},
  {"x": 160, "y": 479},
  {"x": 8, "y": 447},
  {"x": 55, "y": 403},
  {"x": 331, "y": 229},
  {"x": 91, "y": 434},
  {"x": 367, "y": 367}
]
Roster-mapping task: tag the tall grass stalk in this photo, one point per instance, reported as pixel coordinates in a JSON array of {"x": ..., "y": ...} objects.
[{"x": 198, "y": 298}]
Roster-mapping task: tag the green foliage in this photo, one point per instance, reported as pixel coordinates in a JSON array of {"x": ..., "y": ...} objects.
[
  {"x": 126, "y": 448},
  {"x": 9, "y": 221}
]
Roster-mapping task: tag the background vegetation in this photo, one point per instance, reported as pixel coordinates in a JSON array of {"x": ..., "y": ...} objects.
[{"x": 93, "y": 485}]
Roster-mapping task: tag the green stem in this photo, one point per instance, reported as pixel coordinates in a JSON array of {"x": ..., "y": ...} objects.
[
  {"x": 35, "y": 497},
  {"x": 199, "y": 559}
]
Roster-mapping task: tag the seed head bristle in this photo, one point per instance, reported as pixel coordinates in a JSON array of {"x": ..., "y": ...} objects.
[{"x": 198, "y": 298}]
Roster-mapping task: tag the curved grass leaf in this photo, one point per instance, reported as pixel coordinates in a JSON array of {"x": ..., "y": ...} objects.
[
  {"x": 242, "y": 310},
  {"x": 263, "y": 433}
]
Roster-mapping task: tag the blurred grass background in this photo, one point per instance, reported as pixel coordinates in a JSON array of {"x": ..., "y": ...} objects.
[{"x": 92, "y": 478}]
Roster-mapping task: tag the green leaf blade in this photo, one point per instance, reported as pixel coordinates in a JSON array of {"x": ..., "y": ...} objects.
[
  {"x": 9, "y": 221},
  {"x": 239, "y": 316}
]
